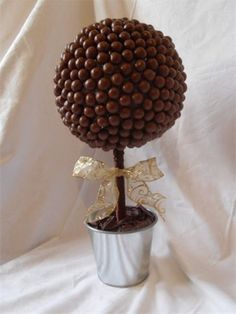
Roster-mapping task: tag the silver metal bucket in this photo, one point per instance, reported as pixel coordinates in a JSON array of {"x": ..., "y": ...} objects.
[{"x": 122, "y": 258}]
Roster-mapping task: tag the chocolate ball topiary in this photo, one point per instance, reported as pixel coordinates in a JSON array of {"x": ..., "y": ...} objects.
[{"x": 120, "y": 83}]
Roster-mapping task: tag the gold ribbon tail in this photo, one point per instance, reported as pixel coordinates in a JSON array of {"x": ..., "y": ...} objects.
[
  {"x": 107, "y": 196},
  {"x": 140, "y": 193}
]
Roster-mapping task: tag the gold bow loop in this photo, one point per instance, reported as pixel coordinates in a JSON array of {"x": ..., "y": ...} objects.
[{"x": 107, "y": 197}]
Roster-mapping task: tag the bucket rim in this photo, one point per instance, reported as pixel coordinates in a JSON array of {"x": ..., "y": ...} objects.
[{"x": 122, "y": 232}]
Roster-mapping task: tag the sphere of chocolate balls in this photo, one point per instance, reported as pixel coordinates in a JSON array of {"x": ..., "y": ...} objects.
[{"x": 119, "y": 83}]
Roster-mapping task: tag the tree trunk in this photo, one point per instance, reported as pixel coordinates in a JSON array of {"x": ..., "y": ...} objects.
[{"x": 119, "y": 163}]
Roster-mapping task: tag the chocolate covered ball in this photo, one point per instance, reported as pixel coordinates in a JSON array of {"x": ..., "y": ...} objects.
[{"x": 120, "y": 83}]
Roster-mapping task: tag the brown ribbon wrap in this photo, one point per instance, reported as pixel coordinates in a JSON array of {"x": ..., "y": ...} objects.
[{"x": 107, "y": 197}]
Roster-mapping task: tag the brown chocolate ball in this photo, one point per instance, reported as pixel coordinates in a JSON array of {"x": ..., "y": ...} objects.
[
  {"x": 104, "y": 83},
  {"x": 114, "y": 120},
  {"x": 83, "y": 74},
  {"x": 96, "y": 73},
  {"x": 108, "y": 68},
  {"x": 89, "y": 64},
  {"x": 112, "y": 107},
  {"x": 102, "y": 122},
  {"x": 137, "y": 98},
  {"x": 127, "y": 55},
  {"x": 101, "y": 97},
  {"x": 144, "y": 86},
  {"x": 128, "y": 87},
  {"x": 89, "y": 112},
  {"x": 125, "y": 100},
  {"x": 103, "y": 46},
  {"x": 121, "y": 83},
  {"x": 115, "y": 57},
  {"x": 100, "y": 110},
  {"x": 114, "y": 93},
  {"x": 90, "y": 84},
  {"x": 76, "y": 85},
  {"x": 102, "y": 57},
  {"x": 125, "y": 113},
  {"x": 95, "y": 128},
  {"x": 117, "y": 79}
]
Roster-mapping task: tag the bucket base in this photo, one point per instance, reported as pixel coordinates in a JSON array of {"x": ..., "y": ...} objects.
[{"x": 124, "y": 286}]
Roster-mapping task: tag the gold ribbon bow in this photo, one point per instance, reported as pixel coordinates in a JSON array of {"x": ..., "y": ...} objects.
[{"x": 107, "y": 197}]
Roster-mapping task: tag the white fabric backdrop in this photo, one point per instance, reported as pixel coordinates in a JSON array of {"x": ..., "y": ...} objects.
[{"x": 42, "y": 205}]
